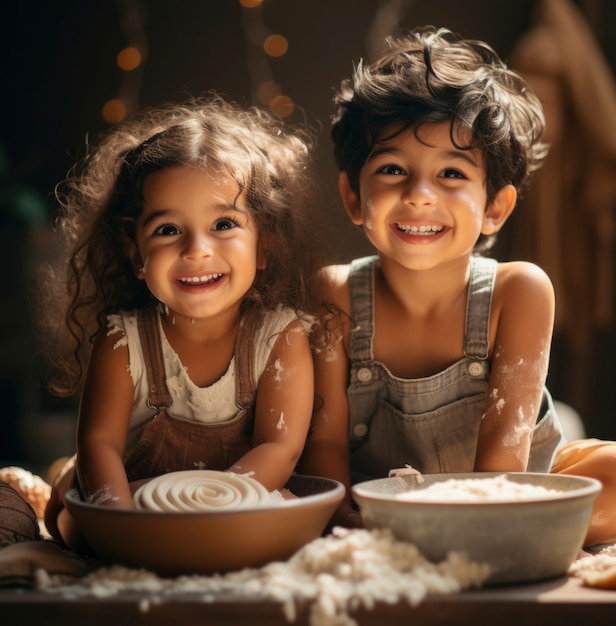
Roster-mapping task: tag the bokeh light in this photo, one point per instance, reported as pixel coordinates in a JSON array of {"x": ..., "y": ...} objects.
[
  {"x": 276, "y": 45},
  {"x": 114, "y": 111},
  {"x": 282, "y": 106},
  {"x": 129, "y": 59},
  {"x": 267, "y": 91},
  {"x": 250, "y": 4}
]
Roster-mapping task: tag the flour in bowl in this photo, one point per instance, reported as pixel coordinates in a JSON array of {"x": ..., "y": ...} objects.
[{"x": 493, "y": 489}]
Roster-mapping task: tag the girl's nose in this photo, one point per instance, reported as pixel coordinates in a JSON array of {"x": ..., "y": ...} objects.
[{"x": 197, "y": 246}]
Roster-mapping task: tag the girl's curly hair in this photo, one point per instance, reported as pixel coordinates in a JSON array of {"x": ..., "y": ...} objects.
[
  {"x": 101, "y": 198},
  {"x": 433, "y": 75}
]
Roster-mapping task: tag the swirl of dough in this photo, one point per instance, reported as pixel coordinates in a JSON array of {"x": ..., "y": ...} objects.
[{"x": 203, "y": 490}]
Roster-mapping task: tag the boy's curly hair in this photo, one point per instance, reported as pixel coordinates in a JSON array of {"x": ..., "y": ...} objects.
[
  {"x": 101, "y": 198},
  {"x": 432, "y": 75}
]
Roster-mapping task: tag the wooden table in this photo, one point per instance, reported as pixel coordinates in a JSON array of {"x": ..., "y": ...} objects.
[{"x": 560, "y": 601}]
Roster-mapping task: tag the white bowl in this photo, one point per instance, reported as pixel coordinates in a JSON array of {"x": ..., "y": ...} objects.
[
  {"x": 208, "y": 542},
  {"x": 522, "y": 541}
]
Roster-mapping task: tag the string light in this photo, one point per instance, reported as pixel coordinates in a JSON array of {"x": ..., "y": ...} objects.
[
  {"x": 262, "y": 44},
  {"x": 114, "y": 111},
  {"x": 275, "y": 45},
  {"x": 131, "y": 61},
  {"x": 267, "y": 91},
  {"x": 282, "y": 106}
]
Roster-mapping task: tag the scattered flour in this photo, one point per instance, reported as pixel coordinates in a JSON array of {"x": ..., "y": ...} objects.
[
  {"x": 598, "y": 569},
  {"x": 337, "y": 574}
]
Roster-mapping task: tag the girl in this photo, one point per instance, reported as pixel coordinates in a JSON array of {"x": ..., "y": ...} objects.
[
  {"x": 191, "y": 268},
  {"x": 441, "y": 355}
]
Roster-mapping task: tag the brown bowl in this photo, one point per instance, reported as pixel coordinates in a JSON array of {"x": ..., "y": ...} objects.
[
  {"x": 521, "y": 540},
  {"x": 208, "y": 542}
]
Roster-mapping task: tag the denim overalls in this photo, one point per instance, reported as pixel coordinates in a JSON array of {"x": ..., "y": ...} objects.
[{"x": 429, "y": 423}]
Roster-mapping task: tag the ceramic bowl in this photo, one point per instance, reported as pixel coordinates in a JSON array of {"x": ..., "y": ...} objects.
[
  {"x": 522, "y": 541},
  {"x": 208, "y": 542}
]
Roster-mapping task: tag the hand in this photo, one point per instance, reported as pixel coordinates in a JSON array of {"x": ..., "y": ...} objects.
[{"x": 346, "y": 516}]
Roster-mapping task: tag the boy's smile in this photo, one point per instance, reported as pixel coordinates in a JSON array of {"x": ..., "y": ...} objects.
[{"x": 422, "y": 200}]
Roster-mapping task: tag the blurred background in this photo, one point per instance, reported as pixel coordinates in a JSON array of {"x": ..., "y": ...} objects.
[{"x": 70, "y": 69}]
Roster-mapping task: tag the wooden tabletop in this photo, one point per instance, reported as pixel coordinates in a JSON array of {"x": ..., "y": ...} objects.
[{"x": 559, "y": 601}]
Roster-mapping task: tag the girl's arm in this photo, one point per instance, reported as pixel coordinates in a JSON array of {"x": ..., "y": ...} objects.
[
  {"x": 104, "y": 415},
  {"x": 282, "y": 411},
  {"x": 523, "y": 312}
]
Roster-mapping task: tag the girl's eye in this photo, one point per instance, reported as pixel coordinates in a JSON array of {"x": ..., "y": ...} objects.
[
  {"x": 167, "y": 230},
  {"x": 392, "y": 170},
  {"x": 225, "y": 224},
  {"x": 452, "y": 173}
]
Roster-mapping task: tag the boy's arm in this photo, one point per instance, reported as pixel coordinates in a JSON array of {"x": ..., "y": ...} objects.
[
  {"x": 523, "y": 312},
  {"x": 327, "y": 448}
]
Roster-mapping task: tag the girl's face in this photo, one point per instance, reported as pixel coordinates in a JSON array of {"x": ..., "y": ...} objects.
[
  {"x": 422, "y": 202},
  {"x": 196, "y": 242}
]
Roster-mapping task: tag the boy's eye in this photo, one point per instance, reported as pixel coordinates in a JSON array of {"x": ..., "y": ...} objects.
[
  {"x": 393, "y": 170},
  {"x": 452, "y": 173},
  {"x": 167, "y": 230}
]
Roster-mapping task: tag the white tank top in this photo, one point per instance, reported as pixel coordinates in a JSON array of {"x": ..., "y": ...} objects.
[{"x": 211, "y": 404}]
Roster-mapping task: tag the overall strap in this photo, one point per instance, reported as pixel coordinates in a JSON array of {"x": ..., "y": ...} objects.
[
  {"x": 149, "y": 333},
  {"x": 361, "y": 294},
  {"x": 478, "y": 307},
  {"x": 245, "y": 388}
]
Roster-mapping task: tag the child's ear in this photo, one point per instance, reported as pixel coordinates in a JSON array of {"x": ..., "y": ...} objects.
[
  {"x": 499, "y": 210},
  {"x": 135, "y": 259},
  {"x": 350, "y": 199}
]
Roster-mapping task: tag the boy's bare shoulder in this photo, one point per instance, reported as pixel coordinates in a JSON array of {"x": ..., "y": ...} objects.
[
  {"x": 336, "y": 282},
  {"x": 523, "y": 271},
  {"x": 524, "y": 280}
]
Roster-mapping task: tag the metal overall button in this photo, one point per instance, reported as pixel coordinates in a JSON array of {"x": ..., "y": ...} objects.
[
  {"x": 364, "y": 375},
  {"x": 475, "y": 368},
  {"x": 360, "y": 430}
]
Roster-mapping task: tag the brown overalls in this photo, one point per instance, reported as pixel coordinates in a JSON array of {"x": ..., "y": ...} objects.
[{"x": 169, "y": 444}]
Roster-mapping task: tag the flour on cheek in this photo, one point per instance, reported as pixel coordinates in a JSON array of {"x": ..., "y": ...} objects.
[{"x": 370, "y": 214}]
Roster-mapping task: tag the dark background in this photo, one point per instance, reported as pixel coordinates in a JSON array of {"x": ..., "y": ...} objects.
[{"x": 59, "y": 68}]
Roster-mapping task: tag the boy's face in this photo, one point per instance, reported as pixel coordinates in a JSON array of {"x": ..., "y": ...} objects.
[{"x": 422, "y": 201}]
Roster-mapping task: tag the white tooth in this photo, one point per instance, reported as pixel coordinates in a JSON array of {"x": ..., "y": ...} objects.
[{"x": 201, "y": 279}]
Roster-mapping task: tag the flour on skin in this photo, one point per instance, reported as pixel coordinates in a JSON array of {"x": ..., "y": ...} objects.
[{"x": 280, "y": 425}]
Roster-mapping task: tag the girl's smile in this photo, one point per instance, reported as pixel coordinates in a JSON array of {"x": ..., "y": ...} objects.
[{"x": 198, "y": 240}]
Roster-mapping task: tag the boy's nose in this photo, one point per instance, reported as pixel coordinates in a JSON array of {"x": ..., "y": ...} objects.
[{"x": 419, "y": 192}]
